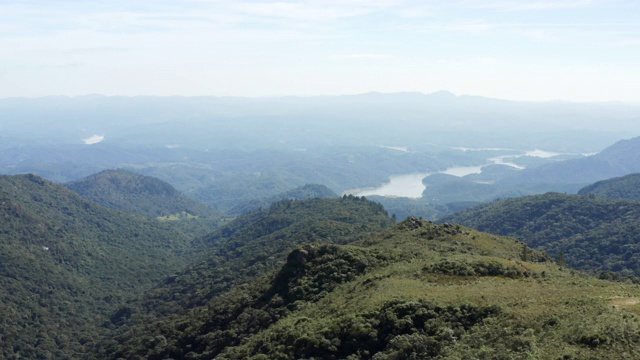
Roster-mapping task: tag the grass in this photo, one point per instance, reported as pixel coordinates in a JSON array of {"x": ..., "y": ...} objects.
[
  {"x": 177, "y": 216},
  {"x": 554, "y": 313},
  {"x": 421, "y": 291},
  {"x": 561, "y": 312}
]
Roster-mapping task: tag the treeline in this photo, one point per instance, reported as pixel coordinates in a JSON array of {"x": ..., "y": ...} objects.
[
  {"x": 67, "y": 264},
  {"x": 582, "y": 231}
]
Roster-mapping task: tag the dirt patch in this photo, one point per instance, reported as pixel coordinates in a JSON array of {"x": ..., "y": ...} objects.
[{"x": 622, "y": 302}]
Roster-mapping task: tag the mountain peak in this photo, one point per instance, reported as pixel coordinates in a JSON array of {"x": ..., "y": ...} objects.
[{"x": 124, "y": 190}]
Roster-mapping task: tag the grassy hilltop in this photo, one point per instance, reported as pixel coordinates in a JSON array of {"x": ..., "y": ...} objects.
[{"x": 415, "y": 291}]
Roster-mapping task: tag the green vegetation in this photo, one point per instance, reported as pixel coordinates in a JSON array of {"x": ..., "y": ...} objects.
[
  {"x": 68, "y": 264},
  {"x": 586, "y": 232},
  {"x": 415, "y": 291},
  {"x": 177, "y": 217},
  {"x": 476, "y": 268},
  {"x": 124, "y": 190},
  {"x": 625, "y": 187},
  {"x": 231, "y": 181},
  {"x": 403, "y": 207},
  {"x": 308, "y": 191},
  {"x": 317, "y": 278},
  {"x": 251, "y": 246},
  {"x": 256, "y": 242},
  {"x": 148, "y": 196},
  {"x": 230, "y": 190}
]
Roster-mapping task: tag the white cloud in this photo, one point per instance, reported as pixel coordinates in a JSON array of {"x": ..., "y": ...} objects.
[{"x": 93, "y": 139}]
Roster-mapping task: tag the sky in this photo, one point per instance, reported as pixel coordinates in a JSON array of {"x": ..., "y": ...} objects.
[{"x": 572, "y": 50}]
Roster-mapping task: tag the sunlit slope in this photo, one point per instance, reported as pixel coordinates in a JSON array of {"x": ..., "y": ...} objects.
[
  {"x": 624, "y": 187},
  {"x": 589, "y": 233},
  {"x": 415, "y": 291}
]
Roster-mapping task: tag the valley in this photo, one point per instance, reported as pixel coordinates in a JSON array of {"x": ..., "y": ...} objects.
[
  {"x": 412, "y": 185},
  {"x": 319, "y": 180},
  {"x": 202, "y": 147},
  {"x": 178, "y": 234}
]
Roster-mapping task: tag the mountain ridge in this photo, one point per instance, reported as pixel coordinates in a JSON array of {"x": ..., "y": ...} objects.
[
  {"x": 589, "y": 233},
  {"x": 124, "y": 190},
  {"x": 615, "y": 160},
  {"x": 624, "y": 187},
  {"x": 68, "y": 263},
  {"x": 417, "y": 290}
]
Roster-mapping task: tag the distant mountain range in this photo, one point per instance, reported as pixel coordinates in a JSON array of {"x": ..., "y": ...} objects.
[{"x": 621, "y": 158}]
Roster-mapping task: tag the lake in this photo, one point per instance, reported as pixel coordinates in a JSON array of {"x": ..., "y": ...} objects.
[
  {"x": 410, "y": 185},
  {"x": 407, "y": 185}
]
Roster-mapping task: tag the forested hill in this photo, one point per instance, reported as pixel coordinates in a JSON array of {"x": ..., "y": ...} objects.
[
  {"x": 308, "y": 191},
  {"x": 255, "y": 244},
  {"x": 66, "y": 264},
  {"x": 152, "y": 197},
  {"x": 317, "y": 278},
  {"x": 625, "y": 187},
  {"x": 590, "y": 233},
  {"x": 415, "y": 291}
]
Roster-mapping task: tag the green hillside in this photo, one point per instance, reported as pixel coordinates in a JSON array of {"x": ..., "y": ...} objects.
[
  {"x": 625, "y": 187},
  {"x": 252, "y": 245},
  {"x": 415, "y": 291},
  {"x": 588, "y": 233},
  {"x": 67, "y": 264},
  {"x": 149, "y": 196},
  {"x": 301, "y": 279},
  {"x": 308, "y": 191}
]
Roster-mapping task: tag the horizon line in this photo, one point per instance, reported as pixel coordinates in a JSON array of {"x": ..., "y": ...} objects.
[{"x": 373, "y": 92}]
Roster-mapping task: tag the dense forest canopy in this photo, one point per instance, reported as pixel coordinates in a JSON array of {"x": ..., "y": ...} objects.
[
  {"x": 124, "y": 190},
  {"x": 587, "y": 232},
  {"x": 67, "y": 264},
  {"x": 416, "y": 290},
  {"x": 624, "y": 187}
]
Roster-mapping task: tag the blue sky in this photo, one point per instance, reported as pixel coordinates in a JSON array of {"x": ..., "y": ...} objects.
[{"x": 575, "y": 50}]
